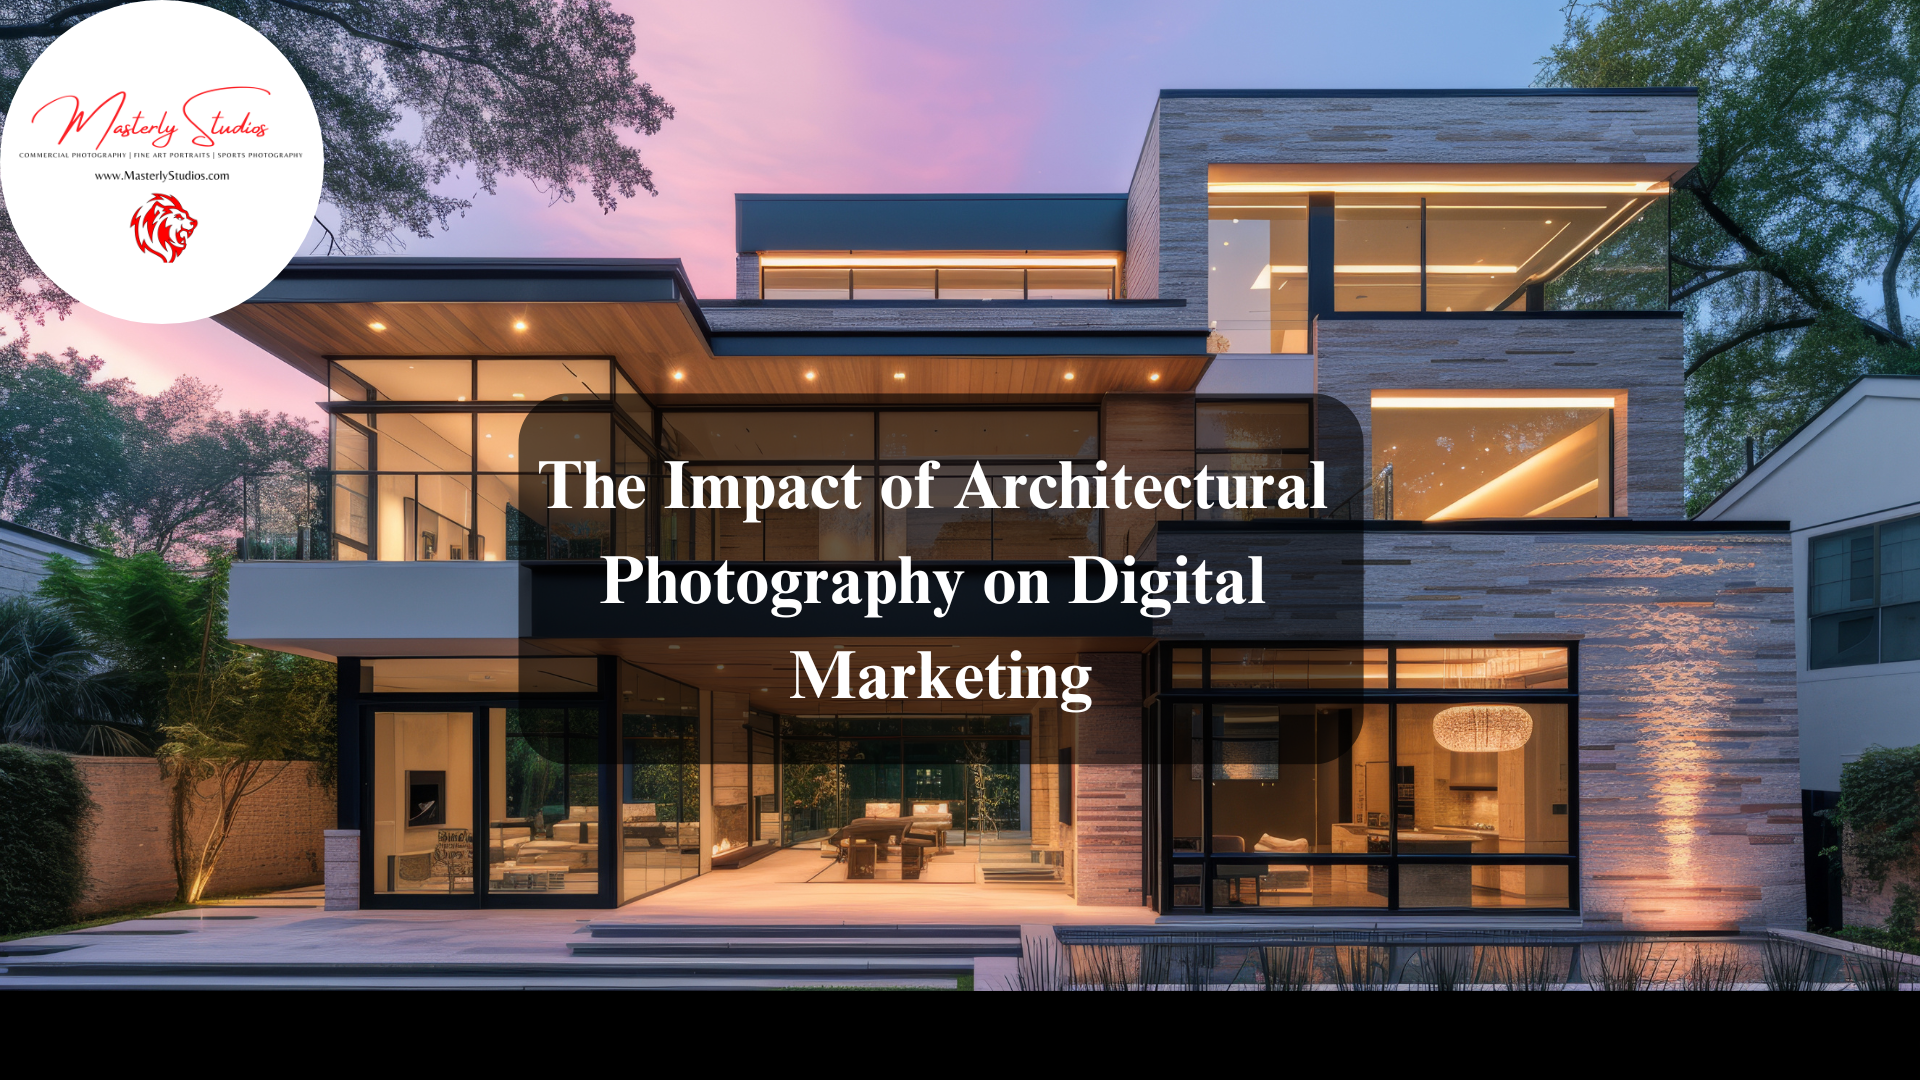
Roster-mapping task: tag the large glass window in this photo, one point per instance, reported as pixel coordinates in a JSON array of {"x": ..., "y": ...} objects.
[
  {"x": 939, "y": 276},
  {"x": 459, "y": 481},
  {"x": 1244, "y": 440},
  {"x": 1257, "y": 273},
  {"x": 1438, "y": 242},
  {"x": 1864, "y": 601},
  {"x": 1338, "y": 778},
  {"x": 659, "y": 782},
  {"x": 544, "y": 800},
  {"x": 1441, "y": 456},
  {"x": 877, "y": 445}
]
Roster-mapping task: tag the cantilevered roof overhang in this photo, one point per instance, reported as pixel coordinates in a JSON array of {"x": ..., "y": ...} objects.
[{"x": 643, "y": 314}]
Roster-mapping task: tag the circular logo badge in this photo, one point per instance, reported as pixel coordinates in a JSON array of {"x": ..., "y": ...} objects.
[{"x": 161, "y": 161}]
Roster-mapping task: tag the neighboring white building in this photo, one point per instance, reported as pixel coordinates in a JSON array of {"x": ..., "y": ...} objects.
[
  {"x": 1853, "y": 497},
  {"x": 23, "y": 557}
]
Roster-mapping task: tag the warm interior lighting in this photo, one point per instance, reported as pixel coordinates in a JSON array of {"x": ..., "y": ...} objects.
[
  {"x": 1069, "y": 376},
  {"x": 1155, "y": 377},
  {"x": 678, "y": 375},
  {"x": 520, "y": 325},
  {"x": 935, "y": 259},
  {"x": 518, "y": 394},
  {"x": 376, "y": 326},
  {"x": 1540, "y": 482},
  {"x": 899, "y": 374},
  {"x": 809, "y": 376},
  {"x": 1493, "y": 403},
  {"x": 1425, "y": 187},
  {"x": 1482, "y": 729}
]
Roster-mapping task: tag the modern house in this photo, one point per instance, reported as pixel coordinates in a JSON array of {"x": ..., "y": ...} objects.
[
  {"x": 24, "y": 553},
  {"x": 1535, "y": 689},
  {"x": 1855, "y": 511}
]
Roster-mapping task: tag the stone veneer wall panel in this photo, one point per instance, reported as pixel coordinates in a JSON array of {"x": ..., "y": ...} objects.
[
  {"x": 746, "y": 276},
  {"x": 1641, "y": 357},
  {"x": 1688, "y": 734},
  {"x": 1143, "y": 217},
  {"x": 1108, "y": 815},
  {"x": 1152, "y": 435},
  {"x": 1192, "y": 133},
  {"x": 277, "y": 841}
]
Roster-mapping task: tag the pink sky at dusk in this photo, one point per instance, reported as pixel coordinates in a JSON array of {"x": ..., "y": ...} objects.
[{"x": 871, "y": 97}]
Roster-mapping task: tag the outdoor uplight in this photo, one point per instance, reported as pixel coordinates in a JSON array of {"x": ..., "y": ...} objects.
[{"x": 1482, "y": 729}]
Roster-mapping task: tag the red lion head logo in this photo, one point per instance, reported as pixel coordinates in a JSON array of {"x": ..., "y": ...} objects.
[{"x": 161, "y": 226}]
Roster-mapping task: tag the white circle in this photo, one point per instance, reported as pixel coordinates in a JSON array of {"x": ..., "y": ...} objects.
[{"x": 146, "y": 223}]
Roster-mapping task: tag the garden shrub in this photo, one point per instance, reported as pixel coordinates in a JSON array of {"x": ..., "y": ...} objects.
[{"x": 45, "y": 816}]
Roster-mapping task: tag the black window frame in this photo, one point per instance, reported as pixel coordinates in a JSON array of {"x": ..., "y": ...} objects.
[
  {"x": 1875, "y": 607},
  {"x": 1159, "y": 735}
]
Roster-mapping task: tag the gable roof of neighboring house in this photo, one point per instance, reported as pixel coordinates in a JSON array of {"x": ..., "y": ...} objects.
[{"x": 1856, "y": 456}]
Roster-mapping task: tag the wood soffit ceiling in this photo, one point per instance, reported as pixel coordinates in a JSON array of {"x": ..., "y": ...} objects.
[{"x": 652, "y": 341}]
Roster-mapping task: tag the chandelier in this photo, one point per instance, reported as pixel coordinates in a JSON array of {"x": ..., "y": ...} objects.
[{"x": 1480, "y": 729}]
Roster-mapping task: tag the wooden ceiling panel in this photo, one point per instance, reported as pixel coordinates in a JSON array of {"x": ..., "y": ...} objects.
[{"x": 663, "y": 350}]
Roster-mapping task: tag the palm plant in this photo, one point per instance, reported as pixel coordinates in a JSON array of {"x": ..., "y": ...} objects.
[{"x": 55, "y": 690}]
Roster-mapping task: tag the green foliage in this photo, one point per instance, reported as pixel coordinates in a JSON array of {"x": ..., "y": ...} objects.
[
  {"x": 48, "y": 815},
  {"x": 1791, "y": 241},
  {"x": 1879, "y": 809},
  {"x": 1901, "y": 929},
  {"x": 255, "y": 706},
  {"x": 143, "y": 615},
  {"x": 98, "y": 462},
  {"x": 55, "y": 691}
]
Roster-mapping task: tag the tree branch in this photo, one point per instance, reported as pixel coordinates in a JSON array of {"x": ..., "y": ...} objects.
[
  {"x": 50, "y": 26},
  {"x": 402, "y": 43},
  {"x": 1742, "y": 338},
  {"x": 1706, "y": 281}
]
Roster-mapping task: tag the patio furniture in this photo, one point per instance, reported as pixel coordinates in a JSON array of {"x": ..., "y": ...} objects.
[
  {"x": 529, "y": 879},
  {"x": 860, "y": 858},
  {"x": 1234, "y": 874},
  {"x": 559, "y": 854}
]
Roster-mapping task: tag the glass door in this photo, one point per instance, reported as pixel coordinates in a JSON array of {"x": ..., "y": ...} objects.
[
  {"x": 423, "y": 802},
  {"x": 543, "y": 801}
]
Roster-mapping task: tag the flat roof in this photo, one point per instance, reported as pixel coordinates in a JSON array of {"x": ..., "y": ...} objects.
[
  {"x": 1513, "y": 91},
  {"x": 883, "y": 222}
]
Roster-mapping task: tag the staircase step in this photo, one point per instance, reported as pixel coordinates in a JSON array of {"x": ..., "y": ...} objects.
[{"x": 863, "y": 931}]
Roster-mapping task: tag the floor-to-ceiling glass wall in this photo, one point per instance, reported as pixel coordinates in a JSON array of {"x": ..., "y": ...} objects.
[
  {"x": 659, "y": 841},
  {"x": 1412, "y": 777}
]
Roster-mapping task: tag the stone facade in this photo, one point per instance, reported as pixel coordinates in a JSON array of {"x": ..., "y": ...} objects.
[
  {"x": 1638, "y": 360},
  {"x": 746, "y": 277},
  {"x": 1108, "y": 800},
  {"x": 343, "y": 869},
  {"x": 1688, "y": 763},
  {"x": 1143, "y": 218},
  {"x": 276, "y": 841}
]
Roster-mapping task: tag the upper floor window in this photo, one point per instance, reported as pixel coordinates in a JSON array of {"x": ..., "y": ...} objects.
[
  {"x": 932, "y": 275},
  {"x": 1449, "y": 455},
  {"x": 1419, "y": 242},
  {"x": 1237, "y": 439},
  {"x": 1864, "y": 602}
]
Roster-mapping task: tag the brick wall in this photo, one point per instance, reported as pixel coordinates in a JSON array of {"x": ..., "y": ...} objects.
[{"x": 276, "y": 842}]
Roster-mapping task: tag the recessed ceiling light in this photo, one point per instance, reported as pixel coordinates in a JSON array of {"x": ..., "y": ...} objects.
[
  {"x": 462, "y": 397},
  {"x": 678, "y": 375},
  {"x": 520, "y": 324},
  {"x": 670, "y": 647},
  {"x": 1069, "y": 376},
  {"x": 809, "y": 375},
  {"x": 376, "y": 326},
  {"x": 518, "y": 394},
  {"x": 899, "y": 374},
  {"x": 1155, "y": 377}
]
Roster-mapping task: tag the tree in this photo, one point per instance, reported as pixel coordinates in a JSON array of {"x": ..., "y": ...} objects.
[
  {"x": 537, "y": 88},
  {"x": 232, "y": 730},
  {"x": 150, "y": 620},
  {"x": 56, "y": 691},
  {"x": 96, "y": 460},
  {"x": 1791, "y": 240},
  {"x": 61, "y": 439}
]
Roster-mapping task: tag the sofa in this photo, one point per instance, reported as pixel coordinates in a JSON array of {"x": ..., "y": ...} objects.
[{"x": 580, "y": 826}]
